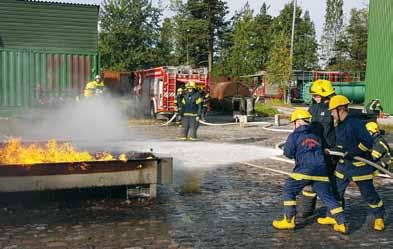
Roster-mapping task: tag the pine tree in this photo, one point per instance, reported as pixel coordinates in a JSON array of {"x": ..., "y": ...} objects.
[
  {"x": 165, "y": 47},
  {"x": 129, "y": 34},
  {"x": 263, "y": 22},
  {"x": 305, "y": 54},
  {"x": 199, "y": 24},
  {"x": 279, "y": 65},
  {"x": 333, "y": 26},
  {"x": 243, "y": 55},
  {"x": 353, "y": 43}
]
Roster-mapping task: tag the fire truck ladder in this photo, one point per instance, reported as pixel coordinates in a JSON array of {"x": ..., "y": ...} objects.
[{"x": 171, "y": 90}]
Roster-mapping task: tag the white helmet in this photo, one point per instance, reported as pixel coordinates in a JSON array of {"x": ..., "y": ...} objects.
[{"x": 98, "y": 77}]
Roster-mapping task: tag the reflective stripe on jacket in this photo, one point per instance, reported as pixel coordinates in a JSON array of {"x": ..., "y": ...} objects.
[
  {"x": 306, "y": 148},
  {"x": 352, "y": 137}
]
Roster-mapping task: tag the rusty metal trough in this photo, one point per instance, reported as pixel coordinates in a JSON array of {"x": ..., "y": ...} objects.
[{"x": 141, "y": 169}]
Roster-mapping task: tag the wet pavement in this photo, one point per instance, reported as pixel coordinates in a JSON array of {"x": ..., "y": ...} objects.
[{"x": 217, "y": 206}]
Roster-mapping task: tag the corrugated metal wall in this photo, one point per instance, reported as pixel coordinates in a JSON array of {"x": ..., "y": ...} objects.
[
  {"x": 32, "y": 77},
  {"x": 379, "y": 74},
  {"x": 48, "y": 25}
]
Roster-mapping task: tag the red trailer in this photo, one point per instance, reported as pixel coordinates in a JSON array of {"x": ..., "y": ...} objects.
[{"x": 157, "y": 86}]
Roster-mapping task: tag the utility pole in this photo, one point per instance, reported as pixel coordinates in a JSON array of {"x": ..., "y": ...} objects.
[
  {"x": 188, "y": 31},
  {"x": 292, "y": 41},
  {"x": 293, "y": 30}
]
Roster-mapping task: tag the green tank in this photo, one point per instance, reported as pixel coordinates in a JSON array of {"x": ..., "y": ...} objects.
[{"x": 354, "y": 91}]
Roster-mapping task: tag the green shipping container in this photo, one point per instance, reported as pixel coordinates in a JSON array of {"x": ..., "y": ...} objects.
[
  {"x": 354, "y": 91},
  {"x": 31, "y": 77},
  {"x": 379, "y": 74}
]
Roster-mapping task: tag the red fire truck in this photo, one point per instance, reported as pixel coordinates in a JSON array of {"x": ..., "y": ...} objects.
[{"x": 157, "y": 86}]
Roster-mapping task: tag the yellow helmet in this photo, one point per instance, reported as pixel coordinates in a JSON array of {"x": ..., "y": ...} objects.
[
  {"x": 338, "y": 100},
  {"x": 372, "y": 127},
  {"x": 179, "y": 90},
  {"x": 323, "y": 88},
  {"x": 191, "y": 84},
  {"x": 301, "y": 114}
]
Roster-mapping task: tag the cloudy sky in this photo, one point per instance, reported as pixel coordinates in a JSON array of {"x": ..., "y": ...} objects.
[{"x": 316, "y": 7}]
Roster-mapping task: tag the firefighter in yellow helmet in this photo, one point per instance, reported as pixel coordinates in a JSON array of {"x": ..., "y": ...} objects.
[
  {"x": 323, "y": 125},
  {"x": 353, "y": 139},
  {"x": 381, "y": 150},
  {"x": 191, "y": 109},
  {"x": 310, "y": 169},
  {"x": 94, "y": 88}
]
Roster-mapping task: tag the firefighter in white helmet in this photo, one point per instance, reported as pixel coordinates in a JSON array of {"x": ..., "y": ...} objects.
[{"x": 94, "y": 88}]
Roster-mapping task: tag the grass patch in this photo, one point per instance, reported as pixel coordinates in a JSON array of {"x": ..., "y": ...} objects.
[
  {"x": 278, "y": 102},
  {"x": 265, "y": 110}
]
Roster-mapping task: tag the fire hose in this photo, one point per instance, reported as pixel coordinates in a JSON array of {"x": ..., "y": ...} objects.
[
  {"x": 170, "y": 120},
  {"x": 219, "y": 124},
  {"x": 386, "y": 172},
  {"x": 360, "y": 159}
]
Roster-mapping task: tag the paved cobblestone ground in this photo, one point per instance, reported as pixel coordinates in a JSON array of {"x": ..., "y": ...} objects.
[{"x": 230, "y": 206}]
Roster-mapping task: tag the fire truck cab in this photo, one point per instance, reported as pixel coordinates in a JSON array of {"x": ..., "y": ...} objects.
[{"x": 156, "y": 87}]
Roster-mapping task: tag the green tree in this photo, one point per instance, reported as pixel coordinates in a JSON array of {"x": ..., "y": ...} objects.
[
  {"x": 305, "y": 54},
  {"x": 165, "y": 47},
  {"x": 352, "y": 44},
  {"x": 263, "y": 22},
  {"x": 129, "y": 34},
  {"x": 333, "y": 26},
  {"x": 199, "y": 26},
  {"x": 244, "y": 55},
  {"x": 279, "y": 64}
]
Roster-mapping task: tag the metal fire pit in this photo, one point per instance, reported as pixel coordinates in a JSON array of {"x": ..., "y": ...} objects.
[{"x": 141, "y": 169}]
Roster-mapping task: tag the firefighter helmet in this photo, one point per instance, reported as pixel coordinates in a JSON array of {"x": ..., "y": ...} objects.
[
  {"x": 301, "y": 114},
  {"x": 337, "y": 101},
  {"x": 191, "y": 84},
  {"x": 372, "y": 127},
  {"x": 323, "y": 88}
]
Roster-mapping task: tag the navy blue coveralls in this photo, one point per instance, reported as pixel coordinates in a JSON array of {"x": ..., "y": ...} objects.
[
  {"x": 191, "y": 109},
  {"x": 352, "y": 137},
  {"x": 310, "y": 169}
]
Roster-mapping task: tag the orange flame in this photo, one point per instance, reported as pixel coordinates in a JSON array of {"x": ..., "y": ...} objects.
[{"x": 14, "y": 152}]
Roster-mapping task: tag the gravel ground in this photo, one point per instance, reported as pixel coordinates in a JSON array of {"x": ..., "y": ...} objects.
[{"x": 209, "y": 205}]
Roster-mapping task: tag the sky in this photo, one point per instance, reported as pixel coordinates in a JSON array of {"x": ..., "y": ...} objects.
[{"x": 316, "y": 7}]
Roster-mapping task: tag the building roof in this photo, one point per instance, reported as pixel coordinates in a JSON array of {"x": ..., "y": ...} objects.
[{"x": 63, "y": 2}]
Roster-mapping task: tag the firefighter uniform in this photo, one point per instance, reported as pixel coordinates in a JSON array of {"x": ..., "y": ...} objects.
[
  {"x": 205, "y": 98},
  {"x": 178, "y": 104},
  {"x": 310, "y": 169},
  {"x": 353, "y": 139},
  {"x": 191, "y": 109},
  {"x": 381, "y": 150},
  {"x": 94, "y": 88},
  {"x": 323, "y": 125}
]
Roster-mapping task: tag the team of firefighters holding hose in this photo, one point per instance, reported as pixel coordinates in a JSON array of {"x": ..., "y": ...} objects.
[{"x": 328, "y": 126}]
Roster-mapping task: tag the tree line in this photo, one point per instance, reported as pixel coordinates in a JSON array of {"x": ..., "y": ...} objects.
[{"x": 134, "y": 35}]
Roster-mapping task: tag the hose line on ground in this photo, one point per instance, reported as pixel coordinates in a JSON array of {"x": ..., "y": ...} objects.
[{"x": 170, "y": 120}]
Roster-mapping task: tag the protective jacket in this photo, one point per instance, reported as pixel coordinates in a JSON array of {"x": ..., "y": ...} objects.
[
  {"x": 323, "y": 124},
  {"x": 306, "y": 148},
  {"x": 178, "y": 103},
  {"x": 381, "y": 151},
  {"x": 92, "y": 87},
  {"x": 192, "y": 104},
  {"x": 353, "y": 138}
]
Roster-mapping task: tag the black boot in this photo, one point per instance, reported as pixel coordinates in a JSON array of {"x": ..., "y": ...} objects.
[{"x": 306, "y": 205}]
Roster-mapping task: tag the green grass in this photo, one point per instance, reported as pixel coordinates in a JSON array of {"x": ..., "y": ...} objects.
[{"x": 265, "y": 110}]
